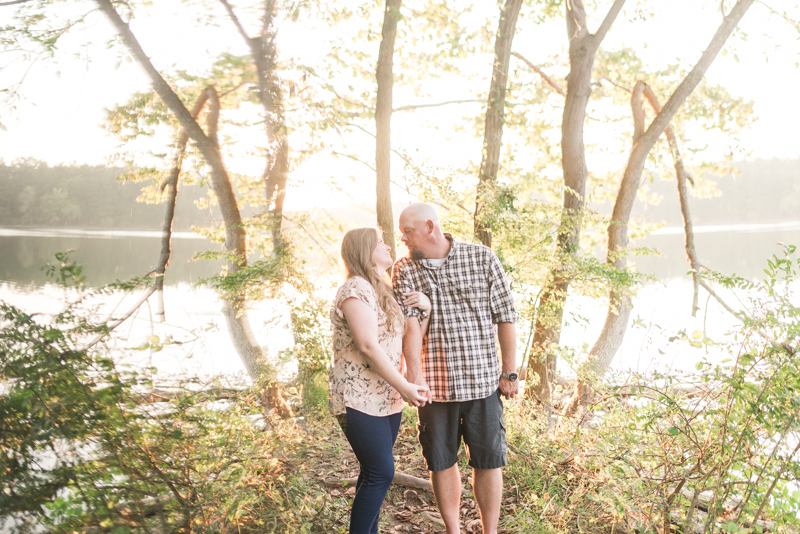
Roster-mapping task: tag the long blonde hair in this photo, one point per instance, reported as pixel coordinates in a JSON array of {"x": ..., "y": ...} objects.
[{"x": 358, "y": 246}]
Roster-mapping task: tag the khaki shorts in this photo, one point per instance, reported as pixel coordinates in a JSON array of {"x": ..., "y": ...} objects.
[{"x": 480, "y": 422}]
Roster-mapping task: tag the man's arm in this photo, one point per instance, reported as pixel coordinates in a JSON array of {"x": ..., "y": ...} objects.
[
  {"x": 412, "y": 350},
  {"x": 507, "y": 335}
]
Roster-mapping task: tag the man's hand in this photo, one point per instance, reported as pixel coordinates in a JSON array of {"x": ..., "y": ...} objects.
[
  {"x": 422, "y": 384},
  {"x": 508, "y": 389}
]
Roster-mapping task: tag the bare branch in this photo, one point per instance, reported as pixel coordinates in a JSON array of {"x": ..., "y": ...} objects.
[
  {"x": 160, "y": 85},
  {"x": 235, "y": 20},
  {"x": 681, "y": 177},
  {"x": 14, "y": 2},
  {"x": 576, "y": 19},
  {"x": 600, "y": 34},
  {"x": 171, "y": 183},
  {"x": 419, "y": 106},
  {"x": 121, "y": 320},
  {"x": 600, "y": 79},
  {"x": 548, "y": 80},
  {"x": 696, "y": 74}
]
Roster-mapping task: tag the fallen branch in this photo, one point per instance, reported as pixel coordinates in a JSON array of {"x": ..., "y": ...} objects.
[{"x": 400, "y": 479}]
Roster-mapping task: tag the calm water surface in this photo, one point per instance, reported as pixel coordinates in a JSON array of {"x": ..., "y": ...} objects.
[{"x": 193, "y": 313}]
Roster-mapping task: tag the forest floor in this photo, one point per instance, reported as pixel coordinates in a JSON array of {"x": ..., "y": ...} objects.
[{"x": 539, "y": 496}]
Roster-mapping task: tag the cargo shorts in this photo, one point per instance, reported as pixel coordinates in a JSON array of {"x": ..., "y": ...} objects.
[{"x": 480, "y": 422}]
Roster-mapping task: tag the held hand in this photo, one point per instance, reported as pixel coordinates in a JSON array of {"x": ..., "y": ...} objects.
[
  {"x": 414, "y": 394},
  {"x": 417, "y": 299},
  {"x": 508, "y": 389}
]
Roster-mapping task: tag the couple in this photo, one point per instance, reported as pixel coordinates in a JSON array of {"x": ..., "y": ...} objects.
[{"x": 440, "y": 314}]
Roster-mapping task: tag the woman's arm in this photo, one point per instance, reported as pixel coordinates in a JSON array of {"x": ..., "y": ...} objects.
[{"x": 363, "y": 324}]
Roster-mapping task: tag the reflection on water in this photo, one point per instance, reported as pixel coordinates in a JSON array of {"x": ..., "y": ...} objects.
[
  {"x": 740, "y": 249},
  {"x": 105, "y": 256}
]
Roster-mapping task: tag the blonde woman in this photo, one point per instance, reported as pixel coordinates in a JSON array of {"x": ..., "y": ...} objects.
[{"x": 366, "y": 386}]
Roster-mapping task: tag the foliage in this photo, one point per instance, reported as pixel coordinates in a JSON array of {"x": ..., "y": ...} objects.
[
  {"x": 86, "y": 443},
  {"x": 310, "y": 317},
  {"x": 716, "y": 449}
]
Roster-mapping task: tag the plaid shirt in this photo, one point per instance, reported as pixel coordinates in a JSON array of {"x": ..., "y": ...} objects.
[{"x": 469, "y": 295}]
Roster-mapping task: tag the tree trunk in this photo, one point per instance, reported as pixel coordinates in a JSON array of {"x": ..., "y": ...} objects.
[
  {"x": 383, "y": 123},
  {"x": 550, "y": 311},
  {"x": 495, "y": 118},
  {"x": 263, "y": 49},
  {"x": 605, "y": 348},
  {"x": 171, "y": 185},
  {"x": 235, "y": 238}
]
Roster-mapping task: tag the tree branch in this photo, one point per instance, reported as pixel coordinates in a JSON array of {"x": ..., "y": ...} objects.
[
  {"x": 95, "y": 340},
  {"x": 696, "y": 74},
  {"x": 548, "y": 80},
  {"x": 681, "y": 177},
  {"x": 160, "y": 85},
  {"x": 14, "y": 2},
  {"x": 600, "y": 34},
  {"x": 418, "y": 106},
  {"x": 576, "y": 19},
  {"x": 171, "y": 184},
  {"x": 235, "y": 20}
]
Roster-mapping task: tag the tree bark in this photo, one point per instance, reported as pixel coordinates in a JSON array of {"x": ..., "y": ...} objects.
[
  {"x": 681, "y": 176},
  {"x": 383, "y": 123},
  {"x": 263, "y": 50},
  {"x": 235, "y": 238},
  {"x": 605, "y": 348},
  {"x": 495, "y": 118},
  {"x": 171, "y": 185},
  {"x": 583, "y": 48}
]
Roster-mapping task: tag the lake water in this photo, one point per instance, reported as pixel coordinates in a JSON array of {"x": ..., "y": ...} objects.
[{"x": 194, "y": 317}]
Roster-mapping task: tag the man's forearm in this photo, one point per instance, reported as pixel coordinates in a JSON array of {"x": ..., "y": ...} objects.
[
  {"x": 507, "y": 336},
  {"x": 412, "y": 350}
]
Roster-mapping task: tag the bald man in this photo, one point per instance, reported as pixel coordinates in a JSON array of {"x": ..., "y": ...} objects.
[{"x": 458, "y": 359}]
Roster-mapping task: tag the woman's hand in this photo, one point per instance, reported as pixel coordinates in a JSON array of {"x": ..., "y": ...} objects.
[
  {"x": 414, "y": 394},
  {"x": 417, "y": 299}
]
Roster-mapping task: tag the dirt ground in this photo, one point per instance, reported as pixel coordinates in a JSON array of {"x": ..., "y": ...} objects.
[{"x": 330, "y": 461}]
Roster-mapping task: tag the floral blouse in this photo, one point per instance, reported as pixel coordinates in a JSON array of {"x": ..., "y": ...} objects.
[{"x": 352, "y": 383}]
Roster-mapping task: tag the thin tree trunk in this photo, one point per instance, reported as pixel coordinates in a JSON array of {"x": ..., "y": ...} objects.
[
  {"x": 495, "y": 118},
  {"x": 681, "y": 176},
  {"x": 383, "y": 123},
  {"x": 583, "y": 48},
  {"x": 171, "y": 185},
  {"x": 264, "y": 52},
  {"x": 235, "y": 244},
  {"x": 607, "y": 344}
]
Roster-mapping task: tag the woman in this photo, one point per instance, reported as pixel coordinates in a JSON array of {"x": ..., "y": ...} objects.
[{"x": 366, "y": 386}]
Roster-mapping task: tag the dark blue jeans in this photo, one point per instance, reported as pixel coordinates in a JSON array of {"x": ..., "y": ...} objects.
[{"x": 372, "y": 439}]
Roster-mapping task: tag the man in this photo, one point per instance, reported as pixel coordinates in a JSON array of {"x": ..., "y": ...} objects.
[{"x": 458, "y": 359}]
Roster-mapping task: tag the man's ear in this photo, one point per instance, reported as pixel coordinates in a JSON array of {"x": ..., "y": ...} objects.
[{"x": 429, "y": 226}]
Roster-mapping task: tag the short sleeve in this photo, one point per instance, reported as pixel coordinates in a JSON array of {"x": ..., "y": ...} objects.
[
  {"x": 500, "y": 299},
  {"x": 402, "y": 282},
  {"x": 357, "y": 288}
]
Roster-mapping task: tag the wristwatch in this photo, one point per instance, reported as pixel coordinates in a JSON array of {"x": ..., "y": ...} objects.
[{"x": 510, "y": 376}]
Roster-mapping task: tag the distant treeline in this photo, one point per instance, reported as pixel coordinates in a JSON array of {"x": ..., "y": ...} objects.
[
  {"x": 766, "y": 190},
  {"x": 35, "y": 194}
]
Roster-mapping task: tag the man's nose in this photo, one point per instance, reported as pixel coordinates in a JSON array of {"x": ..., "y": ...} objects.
[{"x": 403, "y": 238}]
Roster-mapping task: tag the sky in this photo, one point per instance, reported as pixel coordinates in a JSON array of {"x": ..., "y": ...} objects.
[{"x": 59, "y": 120}]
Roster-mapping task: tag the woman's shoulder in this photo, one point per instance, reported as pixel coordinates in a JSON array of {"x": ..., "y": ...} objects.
[{"x": 356, "y": 287}]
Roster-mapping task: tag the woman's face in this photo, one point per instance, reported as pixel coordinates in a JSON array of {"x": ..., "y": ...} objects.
[{"x": 382, "y": 256}]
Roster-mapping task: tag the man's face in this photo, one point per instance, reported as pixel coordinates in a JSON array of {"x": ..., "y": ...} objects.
[{"x": 413, "y": 234}]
